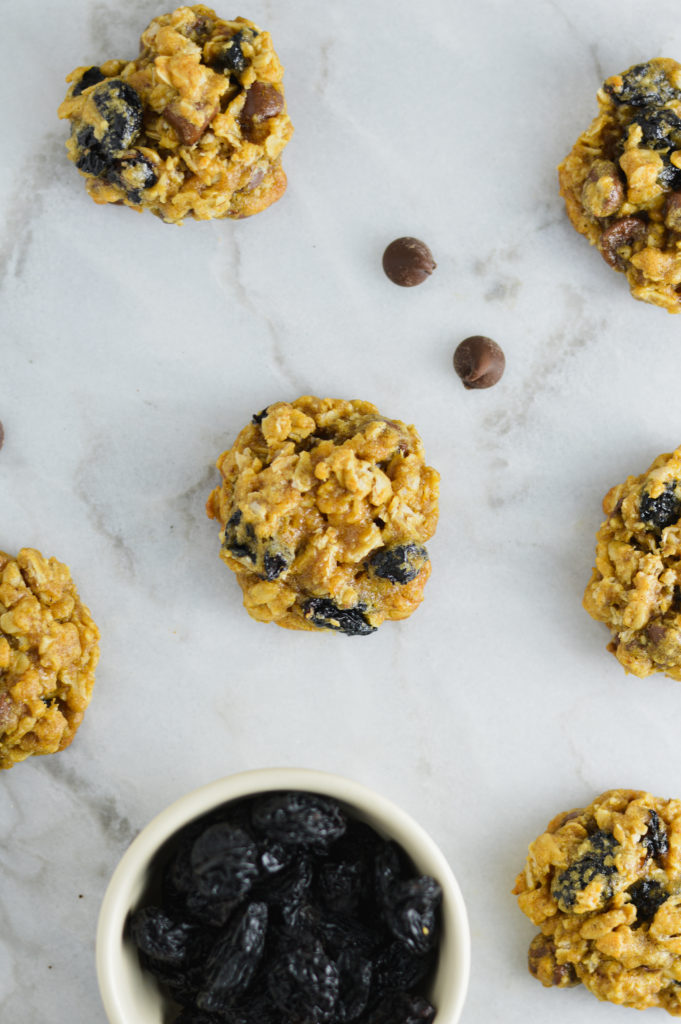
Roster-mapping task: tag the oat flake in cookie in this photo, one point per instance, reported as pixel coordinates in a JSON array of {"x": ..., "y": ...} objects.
[
  {"x": 193, "y": 127},
  {"x": 603, "y": 884},
  {"x": 325, "y": 508},
  {"x": 622, "y": 181},
  {"x": 635, "y": 587},
  {"x": 48, "y": 653}
]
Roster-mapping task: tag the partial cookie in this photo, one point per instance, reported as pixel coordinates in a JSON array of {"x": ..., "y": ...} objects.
[
  {"x": 635, "y": 587},
  {"x": 193, "y": 127},
  {"x": 603, "y": 883},
  {"x": 48, "y": 653},
  {"x": 622, "y": 181},
  {"x": 325, "y": 507}
]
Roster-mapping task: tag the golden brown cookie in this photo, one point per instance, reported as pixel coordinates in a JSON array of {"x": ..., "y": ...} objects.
[
  {"x": 603, "y": 883},
  {"x": 325, "y": 506},
  {"x": 193, "y": 127},
  {"x": 48, "y": 653},
  {"x": 635, "y": 587},
  {"x": 622, "y": 181}
]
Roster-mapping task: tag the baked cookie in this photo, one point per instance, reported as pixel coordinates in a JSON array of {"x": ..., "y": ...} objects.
[
  {"x": 635, "y": 587},
  {"x": 193, "y": 127},
  {"x": 622, "y": 181},
  {"x": 48, "y": 653},
  {"x": 325, "y": 506},
  {"x": 603, "y": 883}
]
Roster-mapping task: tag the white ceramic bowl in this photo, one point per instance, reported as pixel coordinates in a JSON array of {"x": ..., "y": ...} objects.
[{"x": 131, "y": 996}]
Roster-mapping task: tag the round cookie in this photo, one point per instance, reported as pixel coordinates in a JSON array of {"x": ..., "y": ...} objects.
[
  {"x": 193, "y": 127},
  {"x": 603, "y": 883},
  {"x": 48, "y": 653},
  {"x": 325, "y": 506},
  {"x": 635, "y": 587},
  {"x": 622, "y": 181}
]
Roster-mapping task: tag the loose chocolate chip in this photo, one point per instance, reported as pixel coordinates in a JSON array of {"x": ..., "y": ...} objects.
[
  {"x": 479, "y": 362},
  {"x": 263, "y": 100},
  {"x": 408, "y": 261},
  {"x": 620, "y": 236}
]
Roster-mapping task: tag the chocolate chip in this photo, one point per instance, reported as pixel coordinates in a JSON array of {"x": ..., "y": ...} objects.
[
  {"x": 262, "y": 101},
  {"x": 616, "y": 241},
  {"x": 479, "y": 362},
  {"x": 408, "y": 261},
  {"x": 672, "y": 211}
]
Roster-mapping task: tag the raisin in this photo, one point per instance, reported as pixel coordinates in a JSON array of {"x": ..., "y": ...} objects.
[
  {"x": 322, "y": 612},
  {"x": 343, "y": 886},
  {"x": 412, "y": 912},
  {"x": 274, "y": 856},
  {"x": 670, "y": 177},
  {"x": 157, "y": 935},
  {"x": 354, "y": 985},
  {"x": 655, "y": 838},
  {"x": 190, "y": 1015},
  {"x": 595, "y": 863},
  {"x": 93, "y": 76},
  {"x": 339, "y": 932},
  {"x": 234, "y": 959},
  {"x": 299, "y": 819},
  {"x": 400, "y": 563},
  {"x": 402, "y": 1008},
  {"x": 389, "y": 866},
  {"x": 661, "y": 129},
  {"x": 274, "y": 565},
  {"x": 240, "y": 539},
  {"x": 134, "y": 173},
  {"x": 224, "y": 861},
  {"x": 258, "y": 417},
  {"x": 662, "y": 511},
  {"x": 647, "y": 895},
  {"x": 182, "y": 983},
  {"x": 231, "y": 57},
  {"x": 304, "y": 983},
  {"x": 397, "y": 968},
  {"x": 121, "y": 107},
  {"x": 92, "y": 160},
  {"x": 642, "y": 86},
  {"x": 288, "y": 888}
]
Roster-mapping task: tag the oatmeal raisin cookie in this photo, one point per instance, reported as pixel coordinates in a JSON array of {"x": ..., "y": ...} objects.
[
  {"x": 603, "y": 883},
  {"x": 48, "y": 653},
  {"x": 325, "y": 506},
  {"x": 192, "y": 127},
  {"x": 622, "y": 180},
  {"x": 635, "y": 587}
]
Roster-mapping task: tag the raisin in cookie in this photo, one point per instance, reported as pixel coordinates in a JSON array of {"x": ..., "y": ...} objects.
[
  {"x": 603, "y": 883},
  {"x": 193, "y": 127},
  {"x": 622, "y": 181},
  {"x": 635, "y": 587},
  {"x": 325, "y": 506},
  {"x": 48, "y": 653}
]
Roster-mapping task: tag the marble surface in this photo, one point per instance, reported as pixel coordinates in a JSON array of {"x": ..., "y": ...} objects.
[{"x": 133, "y": 352}]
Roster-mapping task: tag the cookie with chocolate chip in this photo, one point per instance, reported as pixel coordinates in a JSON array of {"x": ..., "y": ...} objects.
[
  {"x": 603, "y": 885},
  {"x": 49, "y": 647},
  {"x": 192, "y": 127},
  {"x": 325, "y": 507},
  {"x": 622, "y": 180},
  {"x": 635, "y": 587}
]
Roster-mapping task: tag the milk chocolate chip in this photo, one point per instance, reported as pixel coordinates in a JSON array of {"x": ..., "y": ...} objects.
[
  {"x": 479, "y": 362},
  {"x": 408, "y": 261}
]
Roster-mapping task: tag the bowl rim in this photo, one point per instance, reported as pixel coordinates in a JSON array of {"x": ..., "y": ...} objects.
[{"x": 117, "y": 898}]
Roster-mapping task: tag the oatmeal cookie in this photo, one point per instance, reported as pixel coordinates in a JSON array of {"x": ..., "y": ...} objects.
[
  {"x": 603, "y": 883},
  {"x": 48, "y": 653},
  {"x": 325, "y": 506},
  {"x": 635, "y": 587},
  {"x": 193, "y": 127},
  {"x": 622, "y": 181}
]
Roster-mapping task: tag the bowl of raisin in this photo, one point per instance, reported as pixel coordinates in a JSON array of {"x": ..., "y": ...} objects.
[{"x": 283, "y": 896}]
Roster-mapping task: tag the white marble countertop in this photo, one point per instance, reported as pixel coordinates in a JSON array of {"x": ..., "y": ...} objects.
[{"x": 133, "y": 352}]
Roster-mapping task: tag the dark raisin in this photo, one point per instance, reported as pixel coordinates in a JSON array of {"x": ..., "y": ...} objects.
[
  {"x": 655, "y": 838},
  {"x": 389, "y": 867},
  {"x": 93, "y": 160},
  {"x": 288, "y": 888},
  {"x": 182, "y": 983},
  {"x": 274, "y": 565},
  {"x": 400, "y": 563},
  {"x": 90, "y": 77},
  {"x": 339, "y": 932},
  {"x": 274, "y": 856},
  {"x": 224, "y": 861},
  {"x": 594, "y": 863},
  {"x": 258, "y": 417},
  {"x": 641, "y": 86},
  {"x": 412, "y": 912},
  {"x": 397, "y": 968},
  {"x": 661, "y": 129},
  {"x": 354, "y": 985},
  {"x": 190, "y": 1015},
  {"x": 401, "y": 1008},
  {"x": 662, "y": 511},
  {"x": 343, "y": 886},
  {"x": 299, "y": 819},
  {"x": 670, "y": 177},
  {"x": 157, "y": 935},
  {"x": 121, "y": 107},
  {"x": 134, "y": 173},
  {"x": 240, "y": 538},
  {"x": 233, "y": 961},
  {"x": 231, "y": 57},
  {"x": 322, "y": 612},
  {"x": 647, "y": 895},
  {"x": 304, "y": 984}
]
